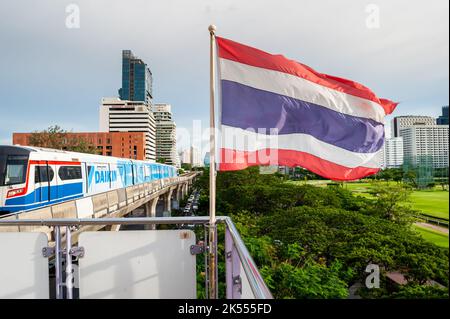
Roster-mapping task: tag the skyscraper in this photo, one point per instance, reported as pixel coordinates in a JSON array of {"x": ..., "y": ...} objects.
[
  {"x": 196, "y": 157},
  {"x": 393, "y": 152},
  {"x": 207, "y": 159},
  {"x": 443, "y": 119},
  {"x": 129, "y": 116},
  {"x": 426, "y": 141},
  {"x": 185, "y": 156},
  {"x": 400, "y": 122},
  {"x": 166, "y": 136},
  {"x": 136, "y": 79}
]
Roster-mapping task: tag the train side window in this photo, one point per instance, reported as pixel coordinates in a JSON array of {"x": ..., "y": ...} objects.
[
  {"x": 146, "y": 171},
  {"x": 69, "y": 172},
  {"x": 37, "y": 174},
  {"x": 41, "y": 175}
]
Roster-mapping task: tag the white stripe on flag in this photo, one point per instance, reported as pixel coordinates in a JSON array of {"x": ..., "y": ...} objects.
[
  {"x": 250, "y": 141},
  {"x": 301, "y": 89}
]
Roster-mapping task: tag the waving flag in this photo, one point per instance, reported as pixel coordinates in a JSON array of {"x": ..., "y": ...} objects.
[{"x": 279, "y": 111}]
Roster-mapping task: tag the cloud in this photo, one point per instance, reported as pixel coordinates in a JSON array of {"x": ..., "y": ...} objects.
[{"x": 53, "y": 75}]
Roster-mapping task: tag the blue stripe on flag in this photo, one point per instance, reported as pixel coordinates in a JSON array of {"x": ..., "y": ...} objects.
[{"x": 249, "y": 108}]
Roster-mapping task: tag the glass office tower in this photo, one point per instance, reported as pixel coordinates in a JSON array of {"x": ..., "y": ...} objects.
[
  {"x": 443, "y": 119},
  {"x": 136, "y": 79}
]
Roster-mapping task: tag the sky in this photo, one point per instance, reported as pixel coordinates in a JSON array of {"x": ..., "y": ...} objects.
[{"x": 51, "y": 74}]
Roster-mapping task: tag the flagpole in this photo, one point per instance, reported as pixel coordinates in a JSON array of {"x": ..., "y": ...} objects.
[{"x": 212, "y": 270}]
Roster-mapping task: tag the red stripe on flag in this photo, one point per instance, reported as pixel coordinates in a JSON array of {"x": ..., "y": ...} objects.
[
  {"x": 238, "y": 160},
  {"x": 238, "y": 52}
]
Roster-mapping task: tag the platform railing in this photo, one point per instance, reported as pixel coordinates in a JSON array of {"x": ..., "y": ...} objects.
[
  {"x": 247, "y": 284},
  {"x": 114, "y": 203}
]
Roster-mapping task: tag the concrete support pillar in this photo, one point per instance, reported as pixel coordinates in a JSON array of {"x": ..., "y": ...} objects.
[
  {"x": 115, "y": 227},
  {"x": 168, "y": 201},
  {"x": 176, "y": 198},
  {"x": 186, "y": 189},
  {"x": 178, "y": 193},
  {"x": 183, "y": 191},
  {"x": 150, "y": 211}
]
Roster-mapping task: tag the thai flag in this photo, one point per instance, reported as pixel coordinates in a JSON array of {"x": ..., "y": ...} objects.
[{"x": 276, "y": 111}]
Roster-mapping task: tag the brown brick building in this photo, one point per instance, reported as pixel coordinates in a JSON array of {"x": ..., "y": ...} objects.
[{"x": 117, "y": 144}]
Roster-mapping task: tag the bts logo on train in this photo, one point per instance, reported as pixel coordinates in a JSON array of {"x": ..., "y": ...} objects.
[{"x": 32, "y": 177}]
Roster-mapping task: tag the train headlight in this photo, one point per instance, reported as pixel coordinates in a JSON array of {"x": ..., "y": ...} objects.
[{"x": 15, "y": 192}]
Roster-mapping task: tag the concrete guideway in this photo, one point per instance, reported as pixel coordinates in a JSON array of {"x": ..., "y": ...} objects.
[{"x": 112, "y": 204}]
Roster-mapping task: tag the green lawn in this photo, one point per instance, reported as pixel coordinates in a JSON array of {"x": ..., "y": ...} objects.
[
  {"x": 433, "y": 202},
  {"x": 430, "y": 202},
  {"x": 433, "y": 236}
]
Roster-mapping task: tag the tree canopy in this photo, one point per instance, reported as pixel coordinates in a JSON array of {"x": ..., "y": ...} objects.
[
  {"x": 315, "y": 242},
  {"x": 57, "y": 138}
]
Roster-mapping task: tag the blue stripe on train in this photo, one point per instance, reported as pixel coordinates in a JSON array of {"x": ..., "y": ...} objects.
[
  {"x": 39, "y": 197},
  {"x": 38, "y": 205}
]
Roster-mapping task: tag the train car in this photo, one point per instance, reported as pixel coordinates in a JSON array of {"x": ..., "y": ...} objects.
[{"x": 33, "y": 177}]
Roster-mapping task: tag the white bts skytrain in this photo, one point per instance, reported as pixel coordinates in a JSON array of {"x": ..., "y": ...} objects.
[{"x": 32, "y": 177}]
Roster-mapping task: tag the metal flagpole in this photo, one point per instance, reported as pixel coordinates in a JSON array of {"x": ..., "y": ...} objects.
[{"x": 212, "y": 270}]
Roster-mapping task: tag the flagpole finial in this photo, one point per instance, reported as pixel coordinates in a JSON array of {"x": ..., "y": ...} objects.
[{"x": 212, "y": 29}]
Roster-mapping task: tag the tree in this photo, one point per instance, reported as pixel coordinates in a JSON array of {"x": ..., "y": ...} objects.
[
  {"x": 414, "y": 291},
  {"x": 411, "y": 177},
  {"x": 161, "y": 160},
  {"x": 57, "y": 138},
  {"x": 386, "y": 174},
  {"x": 315, "y": 242},
  {"x": 186, "y": 166},
  {"x": 389, "y": 203},
  {"x": 53, "y": 137}
]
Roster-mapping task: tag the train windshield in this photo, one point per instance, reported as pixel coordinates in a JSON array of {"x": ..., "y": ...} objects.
[
  {"x": 13, "y": 169},
  {"x": 2, "y": 168}
]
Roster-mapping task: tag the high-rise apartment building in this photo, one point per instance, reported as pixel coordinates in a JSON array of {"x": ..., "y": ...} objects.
[
  {"x": 166, "y": 136},
  {"x": 129, "y": 116},
  {"x": 185, "y": 156},
  {"x": 426, "y": 141},
  {"x": 136, "y": 79},
  {"x": 400, "y": 122},
  {"x": 443, "y": 119},
  {"x": 207, "y": 159},
  {"x": 196, "y": 157},
  {"x": 382, "y": 156},
  {"x": 393, "y": 152},
  {"x": 192, "y": 156}
]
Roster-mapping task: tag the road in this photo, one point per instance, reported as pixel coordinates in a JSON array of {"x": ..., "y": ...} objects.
[
  {"x": 140, "y": 213},
  {"x": 434, "y": 227}
]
